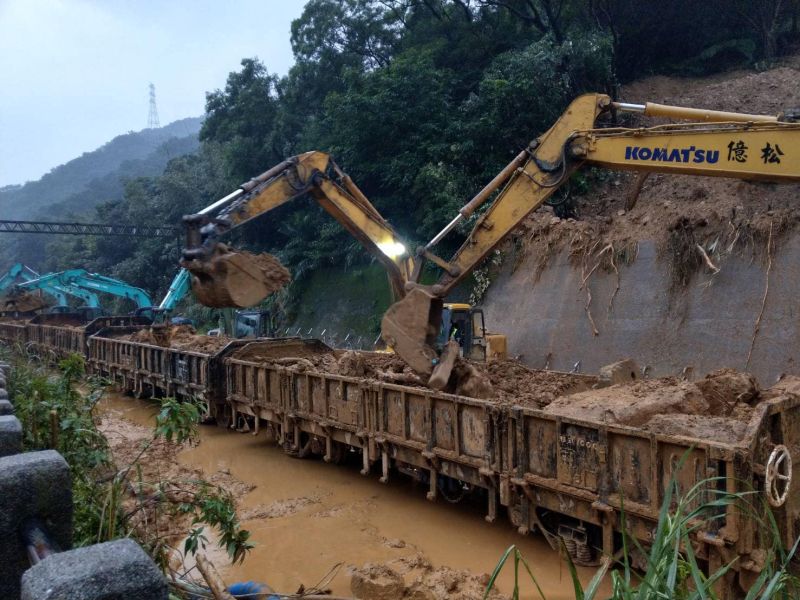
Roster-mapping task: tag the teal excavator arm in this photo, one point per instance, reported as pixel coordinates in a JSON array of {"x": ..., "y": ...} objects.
[
  {"x": 12, "y": 275},
  {"x": 92, "y": 282},
  {"x": 177, "y": 291},
  {"x": 60, "y": 292}
]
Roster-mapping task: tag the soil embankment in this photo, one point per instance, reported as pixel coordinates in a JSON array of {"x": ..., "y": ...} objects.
[{"x": 675, "y": 271}]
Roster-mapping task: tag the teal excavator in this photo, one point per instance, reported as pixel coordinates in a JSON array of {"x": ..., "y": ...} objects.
[
  {"x": 86, "y": 284},
  {"x": 20, "y": 273}
]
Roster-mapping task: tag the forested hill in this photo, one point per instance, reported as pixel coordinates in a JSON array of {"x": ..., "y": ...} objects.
[{"x": 98, "y": 176}]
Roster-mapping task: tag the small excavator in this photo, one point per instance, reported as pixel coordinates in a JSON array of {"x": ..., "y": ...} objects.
[{"x": 704, "y": 142}]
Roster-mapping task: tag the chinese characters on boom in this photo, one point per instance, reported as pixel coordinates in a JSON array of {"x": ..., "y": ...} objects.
[{"x": 737, "y": 151}]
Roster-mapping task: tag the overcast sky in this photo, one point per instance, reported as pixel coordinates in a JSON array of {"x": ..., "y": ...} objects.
[{"x": 75, "y": 73}]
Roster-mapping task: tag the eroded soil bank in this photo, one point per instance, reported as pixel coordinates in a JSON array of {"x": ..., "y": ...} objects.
[{"x": 307, "y": 516}]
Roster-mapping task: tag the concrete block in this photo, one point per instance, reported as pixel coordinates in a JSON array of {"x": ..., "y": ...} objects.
[
  {"x": 6, "y": 408},
  {"x": 118, "y": 570},
  {"x": 10, "y": 435},
  {"x": 33, "y": 485}
]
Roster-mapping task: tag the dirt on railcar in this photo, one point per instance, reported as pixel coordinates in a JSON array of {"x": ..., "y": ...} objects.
[
  {"x": 178, "y": 337},
  {"x": 717, "y": 407},
  {"x": 506, "y": 381}
]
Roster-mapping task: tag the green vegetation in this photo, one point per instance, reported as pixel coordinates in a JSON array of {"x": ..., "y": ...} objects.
[
  {"x": 421, "y": 102},
  {"x": 113, "y": 500},
  {"x": 670, "y": 567}
]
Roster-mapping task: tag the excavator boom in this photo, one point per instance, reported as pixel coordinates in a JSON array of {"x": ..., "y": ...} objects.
[
  {"x": 744, "y": 146},
  {"x": 223, "y": 278}
]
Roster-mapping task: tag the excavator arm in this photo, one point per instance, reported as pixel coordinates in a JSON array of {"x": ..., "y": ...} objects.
[
  {"x": 744, "y": 146},
  {"x": 217, "y": 272},
  {"x": 88, "y": 282}
]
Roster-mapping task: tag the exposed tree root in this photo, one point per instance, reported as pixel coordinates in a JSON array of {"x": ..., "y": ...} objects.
[{"x": 757, "y": 326}]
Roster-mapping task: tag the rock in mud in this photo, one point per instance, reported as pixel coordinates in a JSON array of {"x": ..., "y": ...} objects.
[
  {"x": 725, "y": 387},
  {"x": 623, "y": 371},
  {"x": 634, "y": 404},
  {"x": 376, "y": 582},
  {"x": 352, "y": 364},
  {"x": 471, "y": 382}
]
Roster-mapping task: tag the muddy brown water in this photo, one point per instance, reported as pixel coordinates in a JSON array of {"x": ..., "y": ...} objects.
[{"x": 311, "y": 515}]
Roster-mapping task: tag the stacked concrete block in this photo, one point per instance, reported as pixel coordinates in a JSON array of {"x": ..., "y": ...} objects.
[{"x": 36, "y": 495}]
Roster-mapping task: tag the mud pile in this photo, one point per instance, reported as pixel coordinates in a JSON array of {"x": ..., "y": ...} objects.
[
  {"x": 416, "y": 578},
  {"x": 25, "y": 302},
  {"x": 179, "y": 337},
  {"x": 718, "y": 407}
]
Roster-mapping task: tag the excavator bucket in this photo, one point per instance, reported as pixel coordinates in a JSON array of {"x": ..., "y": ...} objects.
[
  {"x": 410, "y": 327},
  {"x": 230, "y": 279}
]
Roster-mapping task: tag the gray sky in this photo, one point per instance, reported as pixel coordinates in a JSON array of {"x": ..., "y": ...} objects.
[{"x": 74, "y": 73}]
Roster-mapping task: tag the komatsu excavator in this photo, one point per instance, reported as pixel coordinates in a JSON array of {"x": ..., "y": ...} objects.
[{"x": 708, "y": 142}]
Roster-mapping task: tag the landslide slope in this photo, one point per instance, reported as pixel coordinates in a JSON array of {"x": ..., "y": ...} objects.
[{"x": 697, "y": 272}]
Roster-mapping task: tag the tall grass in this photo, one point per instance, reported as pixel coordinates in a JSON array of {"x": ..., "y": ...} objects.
[{"x": 672, "y": 569}]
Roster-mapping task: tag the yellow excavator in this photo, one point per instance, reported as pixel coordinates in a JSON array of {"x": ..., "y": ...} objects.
[
  {"x": 223, "y": 278},
  {"x": 706, "y": 142}
]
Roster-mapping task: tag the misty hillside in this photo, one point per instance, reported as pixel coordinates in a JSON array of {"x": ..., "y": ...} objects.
[{"x": 95, "y": 177}]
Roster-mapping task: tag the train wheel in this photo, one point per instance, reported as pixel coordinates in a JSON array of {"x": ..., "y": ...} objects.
[
  {"x": 303, "y": 449},
  {"x": 222, "y": 415},
  {"x": 338, "y": 452}
]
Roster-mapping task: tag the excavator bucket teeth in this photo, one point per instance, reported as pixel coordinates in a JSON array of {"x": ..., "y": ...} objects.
[
  {"x": 230, "y": 279},
  {"x": 410, "y": 328}
]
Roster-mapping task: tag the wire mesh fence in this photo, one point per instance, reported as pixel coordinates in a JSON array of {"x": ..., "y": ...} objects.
[{"x": 349, "y": 340}]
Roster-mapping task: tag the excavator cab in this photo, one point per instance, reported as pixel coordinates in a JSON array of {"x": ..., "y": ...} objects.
[
  {"x": 465, "y": 325},
  {"x": 253, "y": 324}
]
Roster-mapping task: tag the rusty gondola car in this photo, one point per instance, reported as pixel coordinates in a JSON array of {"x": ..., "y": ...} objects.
[{"x": 566, "y": 477}]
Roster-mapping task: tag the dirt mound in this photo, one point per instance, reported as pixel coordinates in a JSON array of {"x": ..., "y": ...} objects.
[
  {"x": 718, "y": 407},
  {"x": 717, "y": 429},
  {"x": 25, "y": 302},
  {"x": 273, "y": 349},
  {"x": 506, "y": 381},
  {"x": 680, "y": 213},
  {"x": 179, "y": 337},
  {"x": 415, "y": 578},
  {"x": 515, "y": 383}
]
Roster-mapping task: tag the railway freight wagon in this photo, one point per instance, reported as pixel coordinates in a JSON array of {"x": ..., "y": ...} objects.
[
  {"x": 566, "y": 477},
  {"x": 444, "y": 440},
  {"x": 60, "y": 334},
  {"x": 149, "y": 369},
  {"x": 12, "y": 332},
  {"x": 571, "y": 478}
]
